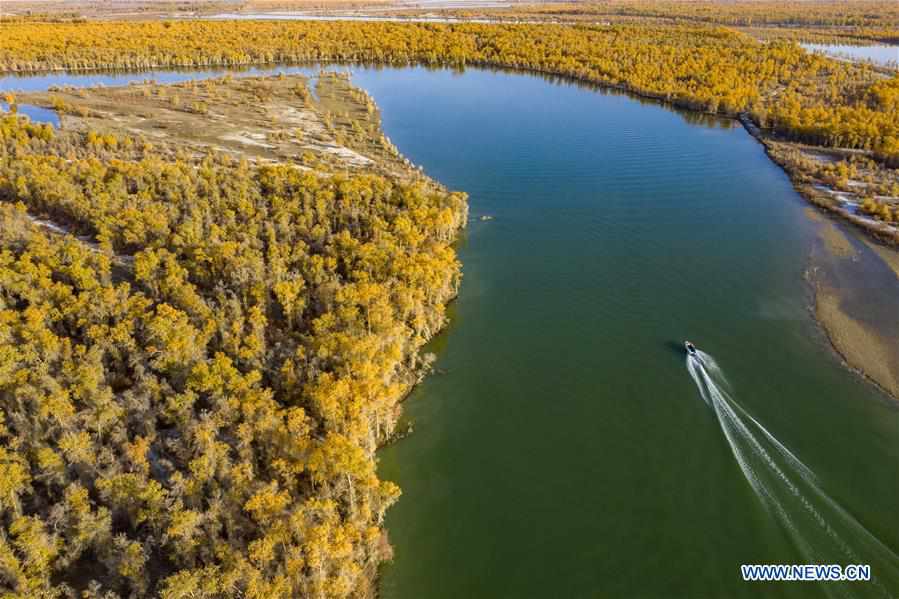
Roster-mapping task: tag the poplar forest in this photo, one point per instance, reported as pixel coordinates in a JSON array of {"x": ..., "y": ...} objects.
[
  {"x": 192, "y": 399},
  {"x": 201, "y": 349}
]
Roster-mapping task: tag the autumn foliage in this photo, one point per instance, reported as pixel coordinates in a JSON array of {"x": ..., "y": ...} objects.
[
  {"x": 194, "y": 382},
  {"x": 802, "y": 96}
]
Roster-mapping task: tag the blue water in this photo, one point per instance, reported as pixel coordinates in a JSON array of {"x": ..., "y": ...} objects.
[
  {"x": 35, "y": 113},
  {"x": 565, "y": 452},
  {"x": 41, "y": 82}
]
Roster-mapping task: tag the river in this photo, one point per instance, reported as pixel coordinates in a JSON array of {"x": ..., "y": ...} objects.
[
  {"x": 878, "y": 54},
  {"x": 562, "y": 449}
]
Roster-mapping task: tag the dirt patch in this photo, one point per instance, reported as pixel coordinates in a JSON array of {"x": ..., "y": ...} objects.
[
  {"x": 861, "y": 348},
  {"x": 813, "y": 214},
  {"x": 847, "y": 183},
  {"x": 260, "y": 119},
  {"x": 248, "y": 139}
]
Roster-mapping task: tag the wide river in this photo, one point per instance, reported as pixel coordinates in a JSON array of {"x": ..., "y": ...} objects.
[{"x": 563, "y": 448}]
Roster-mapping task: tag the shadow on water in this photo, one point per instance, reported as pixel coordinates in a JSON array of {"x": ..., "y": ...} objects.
[{"x": 675, "y": 347}]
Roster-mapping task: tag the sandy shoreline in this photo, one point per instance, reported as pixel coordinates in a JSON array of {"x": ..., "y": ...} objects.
[{"x": 862, "y": 349}]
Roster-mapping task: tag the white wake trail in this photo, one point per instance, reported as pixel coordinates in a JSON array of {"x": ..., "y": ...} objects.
[{"x": 823, "y": 531}]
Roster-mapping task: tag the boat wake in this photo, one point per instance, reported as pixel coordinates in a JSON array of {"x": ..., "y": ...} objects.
[{"x": 822, "y": 530}]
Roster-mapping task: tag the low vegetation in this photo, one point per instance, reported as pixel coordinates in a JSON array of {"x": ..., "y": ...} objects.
[
  {"x": 852, "y": 18},
  {"x": 269, "y": 119},
  {"x": 846, "y": 183}
]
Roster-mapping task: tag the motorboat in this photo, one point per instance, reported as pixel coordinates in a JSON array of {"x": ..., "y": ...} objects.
[{"x": 691, "y": 349}]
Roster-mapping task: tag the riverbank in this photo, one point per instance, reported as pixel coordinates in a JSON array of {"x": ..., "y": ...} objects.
[
  {"x": 840, "y": 270},
  {"x": 611, "y": 312},
  {"x": 846, "y": 183},
  {"x": 318, "y": 122},
  {"x": 861, "y": 348},
  {"x": 592, "y": 194},
  {"x": 850, "y": 183},
  {"x": 321, "y": 122},
  {"x": 849, "y": 186},
  {"x": 280, "y": 266},
  {"x": 812, "y": 98}
]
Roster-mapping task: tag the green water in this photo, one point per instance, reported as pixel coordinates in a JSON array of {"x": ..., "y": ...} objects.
[{"x": 563, "y": 450}]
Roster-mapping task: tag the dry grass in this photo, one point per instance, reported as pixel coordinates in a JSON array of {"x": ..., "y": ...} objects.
[
  {"x": 155, "y": 9},
  {"x": 290, "y": 5},
  {"x": 261, "y": 119}
]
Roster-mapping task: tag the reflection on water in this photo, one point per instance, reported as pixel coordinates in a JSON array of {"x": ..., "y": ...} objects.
[
  {"x": 44, "y": 81},
  {"x": 293, "y": 16},
  {"x": 564, "y": 453},
  {"x": 48, "y": 80},
  {"x": 35, "y": 113}
]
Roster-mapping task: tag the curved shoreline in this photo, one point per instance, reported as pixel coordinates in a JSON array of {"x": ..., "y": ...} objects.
[
  {"x": 847, "y": 337},
  {"x": 339, "y": 117},
  {"x": 668, "y": 103},
  {"x": 843, "y": 334},
  {"x": 877, "y": 230}
]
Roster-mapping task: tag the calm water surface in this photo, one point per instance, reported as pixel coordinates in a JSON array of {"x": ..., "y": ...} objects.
[
  {"x": 35, "y": 113},
  {"x": 42, "y": 81},
  {"x": 565, "y": 451},
  {"x": 879, "y": 54}
]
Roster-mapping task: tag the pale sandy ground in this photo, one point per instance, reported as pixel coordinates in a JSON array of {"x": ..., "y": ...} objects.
[
  {"x": 258, "y": 118},
  {"x": 861, "y": 348},
  {"x": 155, "y": 9}
]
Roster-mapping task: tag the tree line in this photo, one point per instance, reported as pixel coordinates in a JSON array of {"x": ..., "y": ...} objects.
[
  {"x": 791, "y": 13},
  {"x": 190, "y": 404},
  {"x": 801, "y": 96}
]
